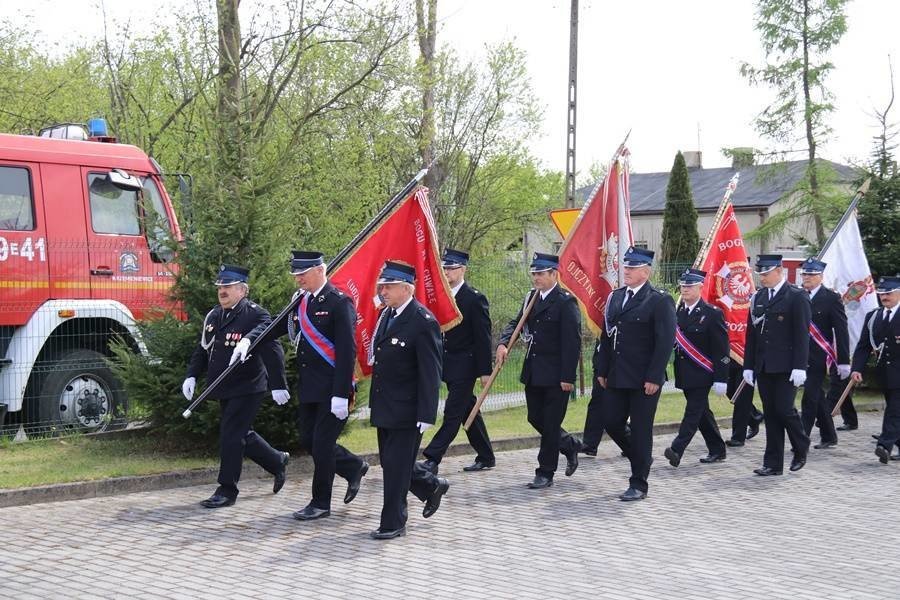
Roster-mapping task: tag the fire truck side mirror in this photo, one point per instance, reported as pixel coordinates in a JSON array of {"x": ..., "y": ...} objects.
[{"x": 124, "y": 180}]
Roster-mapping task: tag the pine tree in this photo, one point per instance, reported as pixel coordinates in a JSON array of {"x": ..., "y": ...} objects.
[{"x": 680, "y": 240}]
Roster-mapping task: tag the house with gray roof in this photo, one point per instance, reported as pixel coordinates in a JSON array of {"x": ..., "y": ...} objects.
[{"x": 763, "y": 191}]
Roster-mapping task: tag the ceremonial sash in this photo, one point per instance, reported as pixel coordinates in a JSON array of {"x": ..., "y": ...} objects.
[
  {"x": 691, "y": 350},
  {"x": 319, "y": 342},
  {"x": 819, "y": 338}
]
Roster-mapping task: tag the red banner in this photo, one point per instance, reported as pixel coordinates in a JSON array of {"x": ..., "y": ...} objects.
[
  {"x": 729, "y": 283},
  {"x": 591, "y": 257},
  {"x": 406, "y": 235}
]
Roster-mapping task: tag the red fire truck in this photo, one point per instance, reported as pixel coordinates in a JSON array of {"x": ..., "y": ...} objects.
[{"x": 82, "y": 256}]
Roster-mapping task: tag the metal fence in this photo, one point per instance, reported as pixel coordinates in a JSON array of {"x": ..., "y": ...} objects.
[
  {"x": 62, "y": 305},
  {"x": 56, "y": 332}
]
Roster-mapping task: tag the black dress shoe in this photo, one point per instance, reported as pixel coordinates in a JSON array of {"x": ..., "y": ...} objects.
[
  {"x": 353, "y": 484},
  {"x": 311, "y": 513},
  {"x": 478, "y": 466},
  {"x": 430, "y": 466},
  {"x": 766, "y": 471},
  {"x": 876, "y": 436},
  {"x": 712, "y": 458},
  {"x": 632, "y": 494},
  {"x": 387, "y": 534},
  {"x": 571, "y": 463},
  {"x": 434, "y": 501},
  {"x": 217, "y": 501},
  {"x": 540, "y": 482},
  {"x": 846, "y": 427},
  {"x": 883, "y": 454},
  {"x": 825, "y": 445},
  {"x": 588, "y": 451},
  {"x": 281, "y": 475},
  {"x": 799, "y": 462},
  {"x": 734, "y": 443},
  {"x": 752, "y": 429},
  {"x": 674, "y": 457}
]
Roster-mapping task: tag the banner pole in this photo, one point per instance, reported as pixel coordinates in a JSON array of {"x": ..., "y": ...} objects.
[
  {"x": 333, "y": 264},
  {"x": 726, "y": 198},
  {"x": 863, "y": 189},
  {"x": 512, "y": 340}
]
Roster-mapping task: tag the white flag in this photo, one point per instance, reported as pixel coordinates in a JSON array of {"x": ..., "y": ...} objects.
[{"x": 848, "y": 274}]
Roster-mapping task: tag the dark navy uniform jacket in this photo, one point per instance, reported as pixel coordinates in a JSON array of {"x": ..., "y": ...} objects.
[
  {"x": 705, "y": 329},
  {"x": 332, "y": 313},
  {"x": 467, "y": 347},
  {"x": 829, "y": 316},
  {"x": 263, "y": 371},
  {"x": 888, "y": 365},
  {"x": 555, "y": 326},
  {"x": 779, "y": 342},
  {"x": 637, "y": 340},
  {"x": 406, "y": 373}
]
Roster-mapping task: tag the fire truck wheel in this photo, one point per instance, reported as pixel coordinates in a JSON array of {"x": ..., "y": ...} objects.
[{"x": 81, "y": 392}]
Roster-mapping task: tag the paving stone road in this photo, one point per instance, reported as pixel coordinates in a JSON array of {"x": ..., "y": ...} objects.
[{"x": 706, "y": 531}]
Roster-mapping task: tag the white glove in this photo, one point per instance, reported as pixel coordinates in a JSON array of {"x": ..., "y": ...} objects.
[
  {"x": 240, "y": 351},
  {"x": 843, "y": 371},
  {"x": 798, "y": 377},
  {"x": 280, "y": 396},
  {"x": 423, "y": 427},
  {"x": 720, "y": 388},
  {"x": 187, "y": 388},
  {"x": 748, "y": 377},
  {"x": 340, "y": 407}
]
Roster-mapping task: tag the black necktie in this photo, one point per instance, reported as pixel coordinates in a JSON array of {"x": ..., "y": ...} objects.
[
  {"x": 389, "y": 319},
  {"x": 629, "y": 294},
  {"x": 771, "y": 294},
  {"x": 886, "y": 323}
]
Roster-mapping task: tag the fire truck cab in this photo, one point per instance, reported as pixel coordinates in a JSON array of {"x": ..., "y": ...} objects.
[{"x": 82, "y": 256}]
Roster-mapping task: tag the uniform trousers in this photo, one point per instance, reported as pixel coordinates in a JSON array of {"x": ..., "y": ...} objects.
[
  {"x": 319, "y": 430},
  {"x": 744, "y": 411},
  {"x": 890, "y": 423},
  {"x": 593, "y": 421},
  {"x": 547, "y": 407},
  {"x": 814, "y": 407},
  {"x": 619, "y": 405},
  {"x": 777, "y": 393},
  {"x": 697, "y": 415},
  {"x": 237, "y": 440},
  {"x": 460, "y": 400},
  {"x": 397, "y": 451}
]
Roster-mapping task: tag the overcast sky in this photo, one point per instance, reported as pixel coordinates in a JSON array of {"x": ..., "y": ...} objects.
[{"x": 665, "y": 69}]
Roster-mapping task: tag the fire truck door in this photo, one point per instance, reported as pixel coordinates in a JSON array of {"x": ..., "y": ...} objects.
[
  {"x": 23, "y": 242},
  {"x": 66, "y": 237},
  {"x": 121, "y": 267}
]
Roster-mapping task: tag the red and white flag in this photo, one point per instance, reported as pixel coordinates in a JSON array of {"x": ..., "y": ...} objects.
[
  {"x": 591, "y": 258},
  {"x": 847, "y": 272},
  {"x": 406, "y": 235},
  {"x": 729, "y": 282}
]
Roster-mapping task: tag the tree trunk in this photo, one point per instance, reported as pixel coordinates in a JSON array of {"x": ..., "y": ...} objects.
[
  {"x": 810, "y": 139},
  {"x": 426, "y": 32},
  {"x": 228, "y": 110}
]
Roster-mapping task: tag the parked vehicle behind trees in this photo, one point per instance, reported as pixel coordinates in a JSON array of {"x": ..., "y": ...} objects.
[{"x": 85, "y": 231}]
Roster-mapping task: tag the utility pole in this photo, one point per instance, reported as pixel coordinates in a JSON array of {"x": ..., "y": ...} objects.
[{"x": 570, "y": 129}]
